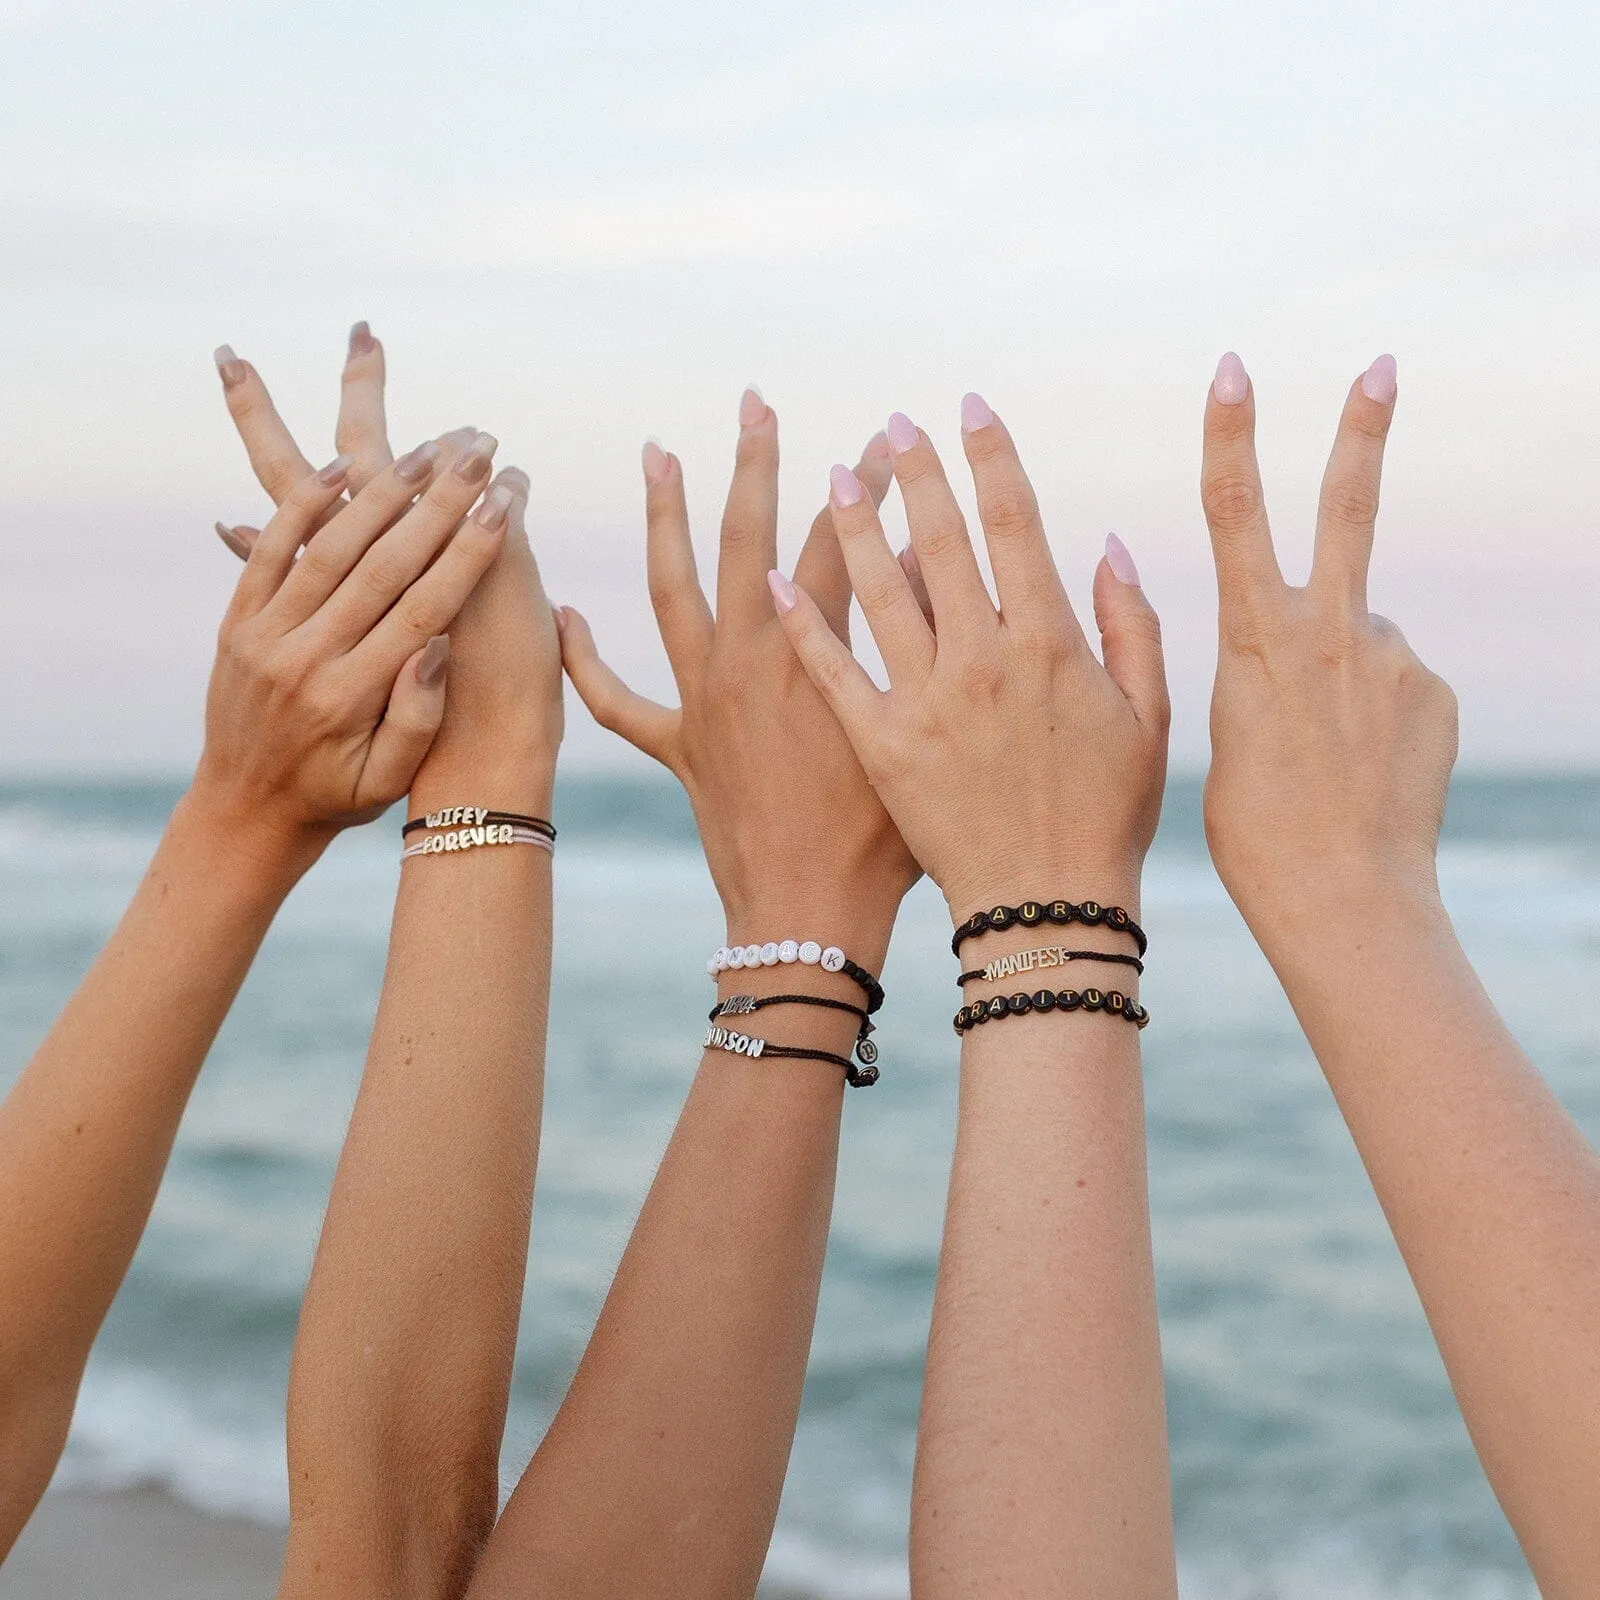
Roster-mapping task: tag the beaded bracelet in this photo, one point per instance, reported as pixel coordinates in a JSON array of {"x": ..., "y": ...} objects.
[
  {"x": 786, "y": 953},
  {"x": 1112, "y": 1001},
  {"x": 741, "y": 1005},
  {"x": 474, "y": 817},
  {"x": 495, "y": 833},
  {"x": 1032, "y": 912},
  {"x": 1049, "y": 956},
  {"x": 742, "y": 1044}
]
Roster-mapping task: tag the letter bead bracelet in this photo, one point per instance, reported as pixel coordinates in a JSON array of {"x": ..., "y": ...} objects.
[
  {"x": 458, "y": 828},
  {"x": 1112, "y": 1001},
  {"x": 788, "y": 951},
  {"x": 1059, "y": 912}
]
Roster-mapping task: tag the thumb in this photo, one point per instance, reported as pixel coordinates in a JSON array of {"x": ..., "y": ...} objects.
[
  {"x": 1130, "y": 636},
  {"x": 404, "y": 737},
  {"x": 645, "y": 725}
]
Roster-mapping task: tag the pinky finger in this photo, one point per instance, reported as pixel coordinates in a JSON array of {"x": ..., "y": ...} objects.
[
  {"x": 1130, "y": 637},
  {"x": 404, "y": 737},
  {"x": 834, "y": 672},
  {"x": 646, "y": 725},
  {"x": 362, "y": 430}
]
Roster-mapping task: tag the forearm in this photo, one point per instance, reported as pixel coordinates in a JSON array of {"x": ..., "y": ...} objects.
[
  {"x": 402, "y": 1364},
  {"x": 662, "y": 1472},
  {"x": 1041, "y": 1458},
  {"x": 1493, "y": 1195},
  {"x": 86, "y": 1132}
]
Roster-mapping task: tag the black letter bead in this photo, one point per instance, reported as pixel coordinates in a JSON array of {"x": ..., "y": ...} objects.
[
  {"x": 1019, "y": 1004},
  {"x": 1116, "y": 917},
  {"x": 1115, "y": 1001},
  {"x": 1090, "y": 911},
  {"x": 1059, "y": 911},
  {"x": 1069, "y": 999},
  {"x": 1030, "y": 914},
  {"x": 1000, "y": 918},
  {"x": 1092, "y": 999},
  {"x": 866, "y": 1052},
  {"x": 996, "y": 1007},
  {"x": 1044, "y": 1000}
]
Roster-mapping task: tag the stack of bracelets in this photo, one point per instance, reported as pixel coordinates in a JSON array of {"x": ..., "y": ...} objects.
[
  {"x": 1058, "y": 913},
  {"x": 788, "y": 952},
  {"x": 455, "y": 828}
]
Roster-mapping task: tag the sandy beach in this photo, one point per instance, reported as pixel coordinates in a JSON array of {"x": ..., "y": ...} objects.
[{"x": 142, "y": 1544}]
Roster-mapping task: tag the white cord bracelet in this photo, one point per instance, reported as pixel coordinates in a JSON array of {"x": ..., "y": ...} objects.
[{"x": 473, "y": 838}]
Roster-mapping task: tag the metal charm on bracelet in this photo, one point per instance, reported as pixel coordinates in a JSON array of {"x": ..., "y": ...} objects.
[
  {"x": 742, "y": 1044},
  {"x": 1045, "y": 957},
  {"x": 743, "y": 1005}
]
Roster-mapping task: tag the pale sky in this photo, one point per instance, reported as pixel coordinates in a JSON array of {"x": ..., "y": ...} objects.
[{"x": 580, "y": 226}]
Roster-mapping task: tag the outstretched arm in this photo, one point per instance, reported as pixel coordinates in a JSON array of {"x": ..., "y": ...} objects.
[
  {"x": 1332, "y": 752},
  {"x": 661, "y": 1473},
  {"x": 1021, "y": 773},
  {"x": 314, "y": 720}
]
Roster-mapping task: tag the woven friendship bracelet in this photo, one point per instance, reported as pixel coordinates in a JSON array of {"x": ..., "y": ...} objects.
[
  {"x": 494, "y": 833},
  {"x": 788, "y": 951},
  {"x": 1059, "y": 912},
  {"x": 1112, "y": 1001},
  {"x": 1048, "y": 956},
  {"x": 742, "y": 1044},
  {"x": 742, "y": 1005},
  {"x": 475, "y": 817}
]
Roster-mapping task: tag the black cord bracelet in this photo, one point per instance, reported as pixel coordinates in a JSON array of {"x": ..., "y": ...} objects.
[
  {"x": 742, "y": 1044},
  {"x": 1060, "y": 912},
  {"x": 1008, "y": 966},
  {"x": 1112, "y": 1001},
  {"x": 476, "y": 816},
  {"x": 741, "y": 1005}
]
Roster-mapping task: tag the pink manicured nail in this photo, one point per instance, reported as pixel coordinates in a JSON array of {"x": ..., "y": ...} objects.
[
  {"x": 877, "y": 445},
  {"x": 1380, "y": 381},
  {"x": 752, "y": 408},
  {"x": 783, "y": 595},
  {"x": 845, "y": 487},
  {"x": 417, "y": 464},
  {"x": 1232, "y": 382},
  {"x": 229, "y": 367},
  {"x": 656, "y": 463},
  {"x": 336, "y": 470},
  {"x": 475, "y": 463},
  {"x": 1120, "y": 562},
  {"x": 560, "y": 614},
  {"x": 909, "y": 563},
  {"x": 361, "y": 340},
  {"x": 496, "y": 507},
  {"x": 902, "y": 433},
  {"x": 234, "y": 540},
  {"x": 975, "y": 413},
  {"x": 430, "y": 669}
]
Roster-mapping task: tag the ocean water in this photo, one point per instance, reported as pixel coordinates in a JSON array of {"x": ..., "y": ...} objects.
[{"x": 1316, "y": 1449}]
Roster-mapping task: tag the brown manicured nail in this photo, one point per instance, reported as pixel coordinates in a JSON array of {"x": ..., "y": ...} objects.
[
  {"x": 361, "y": 341},
  {"x": 496, "y": 507},
  {"x": 231, "y": 537},
  {"x": 474, "y": 463},
  {"x": 656, "y": 463},
  {"x": 430, "y": 669},
  {"x": 417, "y": 464},
  {"x": 229, "y": 367},
  {"x": 336, "y": 470}
]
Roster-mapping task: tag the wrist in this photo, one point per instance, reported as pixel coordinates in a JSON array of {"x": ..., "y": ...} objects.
[
  {"x": 1334, "y": 903},
  {"x": 262, "y": 854},
  {"x": 1108, "y": 883}
]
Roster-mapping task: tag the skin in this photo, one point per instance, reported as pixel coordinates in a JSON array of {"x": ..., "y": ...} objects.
[
  {"x": 411, "y": 1314},
  {"x": 1332, "y": 750},
  {"x": 325, "y": 697},
  {"x": 1017, "y": 767},
  {"x": 661, "y": 1473}
]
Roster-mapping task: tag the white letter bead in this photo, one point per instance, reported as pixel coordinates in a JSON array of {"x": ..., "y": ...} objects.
[
  {"x": 833, "y": 959},
  {"x": 712, "y": 969},
  {"x": 721, "y": 959},
  {"x": 752, "y": 955},
  {"x": 811, "y": 952},
  {"x": 788, "y": 952},
  {"x": 769, "y": 955},
  {"x": 736, "y": 956}
]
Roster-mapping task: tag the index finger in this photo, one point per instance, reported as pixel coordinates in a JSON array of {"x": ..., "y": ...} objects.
[
  {"x": 1347, "y": 511},
  {"x": 1230, "y": 491},
  {"x": 749, "y": 549},
  {"x": 274, "y": 456},
  {"x": 362, "y": 430}
]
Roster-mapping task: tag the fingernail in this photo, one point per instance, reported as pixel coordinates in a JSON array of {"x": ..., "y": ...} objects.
[
  {"x": 975, "y": 413},
  {"x": 1121, "y": 562},
  {"x": 229, "y": 367},
  {"x": 436, "y": 655},
  {"x": 417, "y": 464},
  {"x": 909, "y": 563},
  {"x": 240, "y": 546},
  {"x": 845, "y": 487},
  {"x": 656, "y": 463},
  {"x": 877, "y": 445},
  {"x": 475, "y": 462},
  {"x": 783, "y": 595},
  {"x": 560, "y": 614},
  {"x": 1232, "y": 382},
  {"x": 752, "y": 408},
  {"x": 517, "y": 478},
  {"x": 495, "y": 509},
  {"x": 902, "y": 433},
  {"x": 336, "y": 469},
  {"x": 361, "y": 340},
  {"x": 1380, "y": 380}
]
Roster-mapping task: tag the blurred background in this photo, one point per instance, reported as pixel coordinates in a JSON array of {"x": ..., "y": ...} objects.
[{"x": 580, "y": 228}]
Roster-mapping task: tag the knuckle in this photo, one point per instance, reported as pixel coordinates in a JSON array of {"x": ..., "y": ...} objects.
[
  {"x": 942, "y": 539},
  {"x": 1351, "y": 502},
  {"x": 1010, "y": 509},
  {"x": 419, "y": 615},
  {"x": 1230, "y": 497},
  {"x": 981, "y": 673},
  {"x": 880, "y": 592}
]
